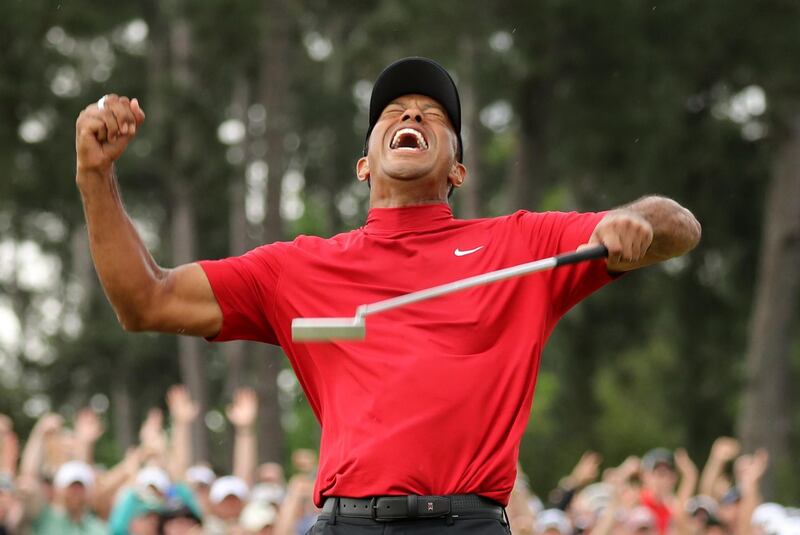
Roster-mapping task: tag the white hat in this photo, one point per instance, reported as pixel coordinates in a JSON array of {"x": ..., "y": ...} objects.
[
  {"x": 257, "y": 515},
  {"x": 790, "y": 526},
  {"x": 153, "y": 476},
  {"x": 200, "y": 474},
  {"x": 769, "y": 516},
  {"x": 74, "y": 472},
  {"x": 553, "y": 518},
  {"x": 640, "y": 517},
  {"x": 228, "y": 486}
]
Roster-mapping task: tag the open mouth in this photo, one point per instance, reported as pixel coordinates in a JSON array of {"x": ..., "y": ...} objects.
[{"x": 408, "y": 139}]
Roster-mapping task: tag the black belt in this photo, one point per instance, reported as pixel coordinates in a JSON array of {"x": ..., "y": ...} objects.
[{"x": 388, "y": 508}]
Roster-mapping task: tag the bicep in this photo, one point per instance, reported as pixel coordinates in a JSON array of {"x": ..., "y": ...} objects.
[{"x": 184, "y": 303}]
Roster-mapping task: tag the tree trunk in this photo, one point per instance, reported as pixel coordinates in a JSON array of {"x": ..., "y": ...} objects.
[
  {"x": 122, "y": 410},
  {"x": 765, "y": 420},
  {"x": 190, "y": 354},
  {"x": 274, "y": 95},
  {"x": 528, "y": 180},
  {"x": 238, "y": 242},
  {"x": 469, "y": 197}
]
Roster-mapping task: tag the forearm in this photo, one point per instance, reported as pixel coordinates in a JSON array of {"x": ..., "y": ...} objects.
[
  {"x": 709, "y": 477},
  {"x": 32, "y": 456},
  {"x": 675, "y": 229},
  {"x": 751, "y": 498},
  {"x": 245, "y": 453},
  {"x": 180, "y": 450},
  {"x": 126, "y": 269}
]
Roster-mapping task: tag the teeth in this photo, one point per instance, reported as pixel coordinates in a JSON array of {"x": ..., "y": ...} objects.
[{"x": 421, "y": 143}]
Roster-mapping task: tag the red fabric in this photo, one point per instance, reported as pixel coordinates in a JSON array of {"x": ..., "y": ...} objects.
[
  {"x": 660, "y": 510},
  {"x": 436, "y": 399}
]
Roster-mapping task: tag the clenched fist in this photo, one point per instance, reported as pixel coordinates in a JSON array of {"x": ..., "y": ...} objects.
[
  {"x": 102, "y": 134},
  {"x": 627, "y": 235}
]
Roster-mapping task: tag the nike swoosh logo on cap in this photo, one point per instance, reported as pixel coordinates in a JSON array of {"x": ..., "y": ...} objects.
[{"x": 459, "y": 252}]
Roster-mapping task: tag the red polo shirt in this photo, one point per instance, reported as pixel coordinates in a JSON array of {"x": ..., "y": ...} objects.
[{"x": 436, "y": 399}]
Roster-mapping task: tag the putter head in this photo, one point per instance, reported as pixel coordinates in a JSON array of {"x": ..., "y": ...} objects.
[{"x": 328, "y": 329}]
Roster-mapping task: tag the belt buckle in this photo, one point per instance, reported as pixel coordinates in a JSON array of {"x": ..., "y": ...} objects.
[
  {"x": 373, "y": 508},
  {"x": 433, "y": 506}
]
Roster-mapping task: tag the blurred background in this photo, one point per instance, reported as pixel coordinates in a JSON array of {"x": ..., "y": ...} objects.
[{"x": 256, "y": 113}]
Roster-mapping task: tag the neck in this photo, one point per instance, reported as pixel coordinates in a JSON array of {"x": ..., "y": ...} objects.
[{"x": 400, "y": 193}]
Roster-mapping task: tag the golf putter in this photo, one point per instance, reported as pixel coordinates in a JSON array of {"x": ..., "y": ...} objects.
[{"x": 355, "y": 328}]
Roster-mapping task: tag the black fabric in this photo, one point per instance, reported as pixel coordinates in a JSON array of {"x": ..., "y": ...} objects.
[
  {"x": 428, "y": 526},
  {"x": 421, "y": 76},
  {"x": 392, "y": 508}
]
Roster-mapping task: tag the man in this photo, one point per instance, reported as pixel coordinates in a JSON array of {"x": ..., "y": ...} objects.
[
  {"x": 659, "y": 478},
  {"x": 435, "y": 400},
  {"x": 70, "y": 513}
]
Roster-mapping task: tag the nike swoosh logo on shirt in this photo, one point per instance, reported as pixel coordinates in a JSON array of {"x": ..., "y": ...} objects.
[{"x": 459, "y": 252}]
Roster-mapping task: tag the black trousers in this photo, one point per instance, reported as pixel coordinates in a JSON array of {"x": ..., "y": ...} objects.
[{"x": 432, "y": 526}]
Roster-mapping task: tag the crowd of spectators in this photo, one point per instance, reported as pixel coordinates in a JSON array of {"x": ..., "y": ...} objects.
[{"x": 54, "y": 487}]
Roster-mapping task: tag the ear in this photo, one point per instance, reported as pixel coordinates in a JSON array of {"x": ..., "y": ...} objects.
[
  {"x": 362, "y": 169},
  {"x": 457, "y": 175}
]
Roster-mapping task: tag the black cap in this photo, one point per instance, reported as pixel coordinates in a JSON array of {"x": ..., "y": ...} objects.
[
  {"x": 656, "y": 457},
  {"x": 421, "y": 76}
]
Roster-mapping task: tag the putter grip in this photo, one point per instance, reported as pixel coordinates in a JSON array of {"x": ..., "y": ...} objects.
[{"x": 590, "y": 253}]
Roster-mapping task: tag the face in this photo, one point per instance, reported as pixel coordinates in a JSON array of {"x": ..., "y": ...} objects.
[
  {"x": 413, "y": 140},
  {"x": 660, "y": 480},
  {"x": 270, "y": 473},
  {"x": 73, "y": 497},
  {"x": 229, "y": 508}
]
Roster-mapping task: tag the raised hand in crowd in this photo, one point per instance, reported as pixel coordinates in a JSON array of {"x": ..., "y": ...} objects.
[
  {"x": 242, "y": 413},
  {"x": 618, "y": 481},
  {"x": 749, "y": 469},
  {"x": 33, "y": 460},
  {"x": 297, "y": 505},
  {"x": 584, "y": 472},
  {"x": 88, "y": 430},
  {"x": 152, "y": 438},
  {"x": 182, "y": 411},
  {"x": 688, "y": 473},
  {"x": 723, "y": 451}
]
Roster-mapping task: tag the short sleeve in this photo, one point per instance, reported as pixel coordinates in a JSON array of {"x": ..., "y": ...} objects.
[
  {"x": 553, "y": 233},
  {"x": 245, "y": 288}
]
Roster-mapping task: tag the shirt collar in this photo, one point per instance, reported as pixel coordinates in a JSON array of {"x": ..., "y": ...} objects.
[{"x": 407, "y": 219}]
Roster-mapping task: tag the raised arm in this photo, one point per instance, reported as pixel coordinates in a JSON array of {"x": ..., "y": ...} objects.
[
  {"x": 723, "y": 451},
  {"x": 144, "y": 295},
  {"x": 88, "y": 430},
  {"x": 182, "y": 412},
  {"x": 242, "y": 414},
  {"x": 649, "y": 230}
]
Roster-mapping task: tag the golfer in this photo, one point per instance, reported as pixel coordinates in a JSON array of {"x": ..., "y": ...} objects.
[{"x": 421, "y": 421}]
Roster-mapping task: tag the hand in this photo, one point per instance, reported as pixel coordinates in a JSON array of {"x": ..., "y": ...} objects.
[
  {"x": 48, "y": 423},
  {"x": 725, "y": 449},
  {"x": 242, "y": 412},
  {"x": 750, "y": 468},
  {"x": 181, "y": 407},
  {"x": 300, "y": 486},
  {"x": 684, "y": 464},
  {"x": 586, "y": 470},
  {"x": 88, "y": 427},
  {"x": 624, "y": 472},
  {"x": 304, "y": 460},
  {"x": 151, "y": 433},
  {"x": 101, "y": 136},
  {"x": 626, "y": 235}
]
